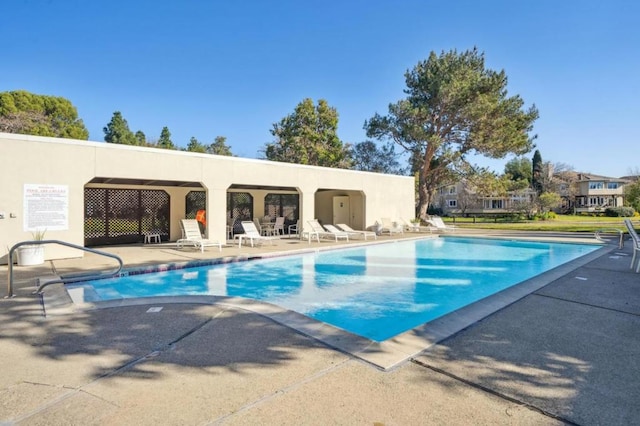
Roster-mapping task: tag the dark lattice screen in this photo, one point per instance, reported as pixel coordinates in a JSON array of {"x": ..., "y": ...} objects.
[
  {"x": 155, "y": 213},
  {"x": 287, "y": 205},
  {"x": 123, "y": 216},
  {"x": 239, "y": 208},
  {"x": 194, "y": 201}
]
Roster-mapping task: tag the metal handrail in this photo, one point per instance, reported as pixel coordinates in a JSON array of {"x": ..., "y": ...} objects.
[
  {"x": 599, "y": 232},
  {"x": 68, "y": 278}
]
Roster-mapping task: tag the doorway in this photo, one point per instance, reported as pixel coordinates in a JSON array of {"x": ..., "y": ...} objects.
[{"x": 341, "y": 210}]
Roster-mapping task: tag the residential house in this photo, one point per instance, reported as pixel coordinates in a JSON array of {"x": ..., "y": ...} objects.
[
  {"x": 580, "y": 192},
  {"x": 458, "y": 200},
  {"x": 587, "y": 193}
]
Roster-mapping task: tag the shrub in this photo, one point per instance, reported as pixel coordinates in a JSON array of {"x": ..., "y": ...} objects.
[
  {"x": 545, "y": 216},
  {"x": 619, "y": 211},
  {"x": 434, "y": 211}
]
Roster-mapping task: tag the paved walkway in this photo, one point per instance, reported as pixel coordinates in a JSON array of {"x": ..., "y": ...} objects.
[{"x": 568, "y": 353}]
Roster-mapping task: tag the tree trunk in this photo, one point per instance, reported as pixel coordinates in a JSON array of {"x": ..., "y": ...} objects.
[
  {"x": 424, "y": 193},
  {"x": 423, "y": 200}
]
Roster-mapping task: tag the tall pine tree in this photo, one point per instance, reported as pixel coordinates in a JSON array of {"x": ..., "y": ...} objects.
[
  {"x": 117, "y": 131},
  {"x": 538, "y": 171},
  {"x": 165, "y": 141}
]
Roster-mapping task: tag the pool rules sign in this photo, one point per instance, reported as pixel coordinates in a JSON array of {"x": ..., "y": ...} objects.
[{"x": 46, "y": 207}]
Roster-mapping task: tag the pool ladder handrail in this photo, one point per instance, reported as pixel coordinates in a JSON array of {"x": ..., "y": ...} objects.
[
  {"x": 63, "y": 279},
  {"x": 598, "y": 234}
]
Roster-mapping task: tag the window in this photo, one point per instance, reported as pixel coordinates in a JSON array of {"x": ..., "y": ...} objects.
[
  {"x": 596, "y": 185},
  {"x": 453, "y": 203},
  {"x": 493, "y": 204},
  {"x": 612, "y": 185},
  {"x": 596, "y": 201},
  {"x": 452, "y": 190}
]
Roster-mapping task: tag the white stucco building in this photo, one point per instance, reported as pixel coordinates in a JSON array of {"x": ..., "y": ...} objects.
[{"x": 95, "y": 193}]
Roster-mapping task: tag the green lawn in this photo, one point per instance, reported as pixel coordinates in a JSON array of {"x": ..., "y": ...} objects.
[{"x": 562, "y": 223}]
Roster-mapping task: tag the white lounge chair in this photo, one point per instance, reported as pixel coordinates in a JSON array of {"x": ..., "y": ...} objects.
[
  {"x": 251, "y": 233},
  {"x": 306, "y": 234},
  {"x": 389, "y": 227},
  {"x": 364, "y": 234},
  {"x": 636, "y": 243},
  {"x": 337, "y": 232},
  {"x": 318, "y": 230},
  {"x": 191, "y": 236},
  {"x": 415, "y": 227},
  {"x": 439, "y": 225}
]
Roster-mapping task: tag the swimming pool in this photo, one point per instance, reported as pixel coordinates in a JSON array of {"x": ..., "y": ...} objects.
[{"x": 375, "y": 291}]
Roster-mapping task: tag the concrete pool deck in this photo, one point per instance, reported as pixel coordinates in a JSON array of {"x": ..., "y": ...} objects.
[{"x": 568, "y": 352}]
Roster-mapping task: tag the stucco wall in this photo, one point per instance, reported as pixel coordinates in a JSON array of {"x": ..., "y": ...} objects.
[{"x": 51, "y": 161}]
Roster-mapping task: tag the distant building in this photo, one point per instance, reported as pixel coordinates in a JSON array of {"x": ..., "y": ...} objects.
[
  {"x": 587, "y": 193},
  {"x": 459, "y": 200},
  {"x": 580, "y": 192}
]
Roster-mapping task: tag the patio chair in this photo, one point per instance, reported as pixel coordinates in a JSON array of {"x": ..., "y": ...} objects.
[
  {"x": 294, "y": 229},
  {"x": 320, "y": 232},
  {"x": 364, "y": 234},
  {"x": 230, "y": 223},
  {"x": 251, "y": 233},
  {"x": 389, "y": 227},
  {"x": 439, "y": 225},
  {"x": 264, "y": 225},
  {"x": 278, "y": 226},
  {"x": 258, "y": 226},
  {"x": 191, "y": 236}
]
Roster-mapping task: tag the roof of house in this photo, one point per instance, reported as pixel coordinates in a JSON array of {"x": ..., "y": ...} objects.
[{"x": 588, "y": 176}]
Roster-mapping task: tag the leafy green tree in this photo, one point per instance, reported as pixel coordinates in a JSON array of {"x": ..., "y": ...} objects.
[
  {"x": 195, "y": 146},
  {"x": 165, "y": 141},
  {"x": 632, "y": 195},
  {"x": 141, "y": 138},
  {"x": 117, "y": 131},
  {"x": 30, "y": 114},
  {"x": 549, "y": 201},
  {"x": 519, "y": 168},
  {"x": 309, "y": 136},
  {"x": 486, "y": 183},
  {"x": 219, "y": 147},
  {"x": 538, "y": 170},
  {"x": 478, "y": 183},
  {"x": 454, "y": 107},
  {"x": 367, "y": 156}
]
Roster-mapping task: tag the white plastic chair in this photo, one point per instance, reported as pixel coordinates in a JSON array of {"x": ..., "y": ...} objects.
[
  {"x": 294, "y": 229},
  {"x": 251, "y": 233},
  {"x": 278, "y": 227},
  {"x": 191, "y": 236}
]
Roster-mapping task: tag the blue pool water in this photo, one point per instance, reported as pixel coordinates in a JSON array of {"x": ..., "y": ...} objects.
[{"x": 376, "y": 291}]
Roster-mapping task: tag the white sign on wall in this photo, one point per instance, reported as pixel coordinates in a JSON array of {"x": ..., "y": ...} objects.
[{"x": 46, "y": 207}]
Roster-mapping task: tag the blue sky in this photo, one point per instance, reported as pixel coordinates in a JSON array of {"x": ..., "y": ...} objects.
[{"x": 205, "y": 68}]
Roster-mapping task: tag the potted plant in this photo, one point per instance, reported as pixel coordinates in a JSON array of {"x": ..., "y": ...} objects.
[{"x": 32, "y": 254}]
